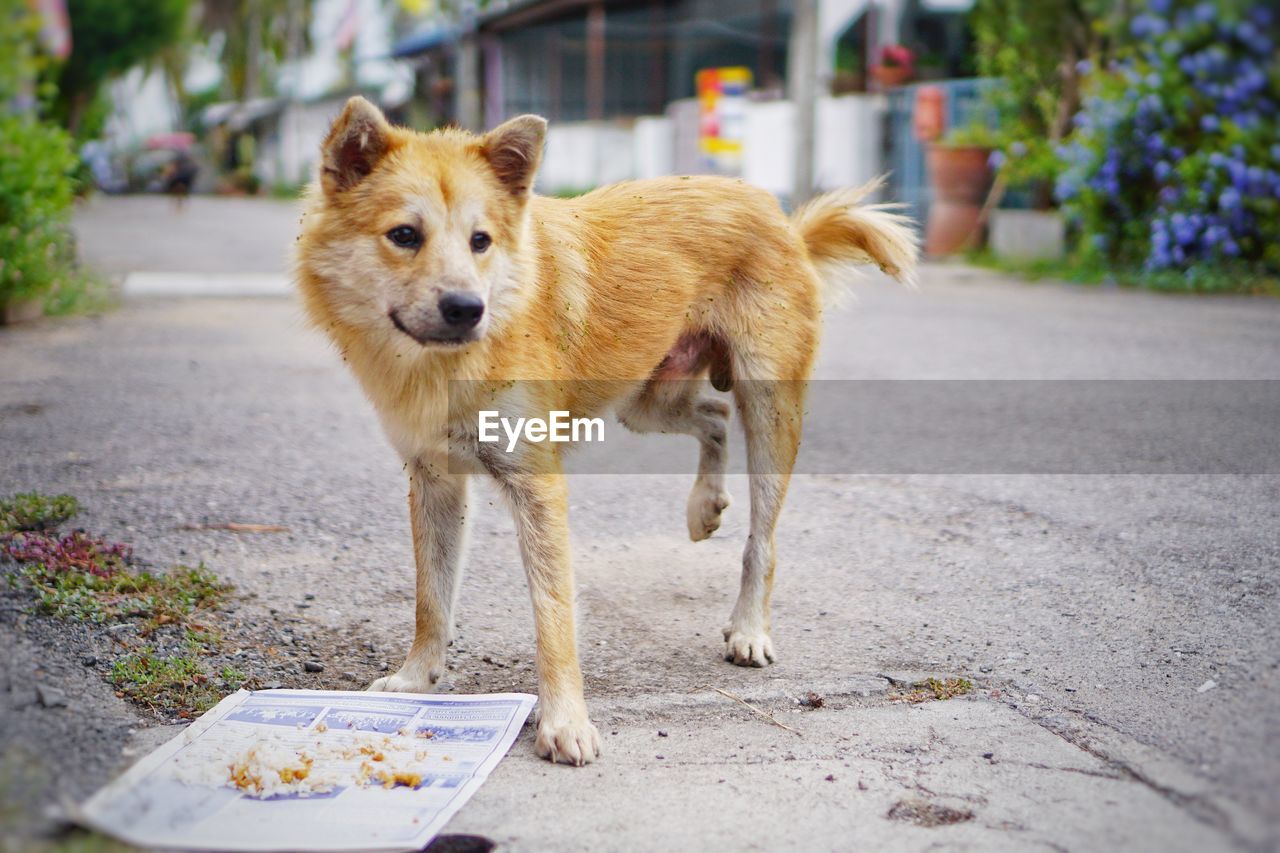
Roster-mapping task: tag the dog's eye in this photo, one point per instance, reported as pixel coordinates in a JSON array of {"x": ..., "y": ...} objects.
[
  {"x": 480, "y": 241},
  {"x": 405, "y": 236}
]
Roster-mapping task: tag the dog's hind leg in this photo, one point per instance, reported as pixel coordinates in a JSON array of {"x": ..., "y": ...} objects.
[
  {"x": 771, "y": 413},
  {"x": 676, "y": 406},
  {"x": 438, "y": 515}
]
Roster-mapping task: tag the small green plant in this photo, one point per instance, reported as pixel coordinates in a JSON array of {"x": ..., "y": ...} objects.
[
  {"x": 976, "y": 135},
  {"x": 175, "y": 682},
  {"x": 571, "y": 192},
  {"x": 32, "y": 511},
  {"x": 232, "y": 678},
  {"x": 935, "y": 690},
  {"x": 88, "y": 579},
  {"x": 157, "y": 599}
]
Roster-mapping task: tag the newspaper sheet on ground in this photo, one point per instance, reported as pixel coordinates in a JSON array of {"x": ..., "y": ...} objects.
[{"x": 312, "y": 770}]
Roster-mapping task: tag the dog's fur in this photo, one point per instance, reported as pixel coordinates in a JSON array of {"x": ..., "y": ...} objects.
[{"x": 622, "y": 291}]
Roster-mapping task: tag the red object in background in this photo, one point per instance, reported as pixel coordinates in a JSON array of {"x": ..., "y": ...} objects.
[
  {"x": 895, "y": 55},
  {"x": 179, "y": 141},
  {"x": 897, "y": 66},
  {"x": 55, "y": 26},
  {"x": 928, "y": 115}
]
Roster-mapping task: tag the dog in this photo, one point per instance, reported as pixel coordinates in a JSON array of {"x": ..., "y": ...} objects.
[{"x": 442, "y": 278}]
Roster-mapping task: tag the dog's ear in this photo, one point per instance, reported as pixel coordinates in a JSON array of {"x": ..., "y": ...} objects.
[
  {"x": 359, "y": 138},
  {"x": 514, "y": 150}
]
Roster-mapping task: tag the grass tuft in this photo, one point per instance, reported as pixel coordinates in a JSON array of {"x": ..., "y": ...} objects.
[
  {"x": 88, "y": 579},
  {"x": 934, "y": 690},
  {"x": 32, "y": 512},
  {"x": 157, "y": 599},
  {"x": 177, "y": 682}
]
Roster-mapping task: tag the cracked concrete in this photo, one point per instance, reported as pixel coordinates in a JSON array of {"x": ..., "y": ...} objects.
[{"x": 1087, "y": 610}]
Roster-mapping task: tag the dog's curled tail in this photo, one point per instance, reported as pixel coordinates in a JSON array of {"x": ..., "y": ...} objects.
[{"x": 839, "y": 233}]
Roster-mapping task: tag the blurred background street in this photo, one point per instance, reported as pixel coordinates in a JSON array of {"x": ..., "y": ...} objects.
[{"x": 1090, "y": 611}]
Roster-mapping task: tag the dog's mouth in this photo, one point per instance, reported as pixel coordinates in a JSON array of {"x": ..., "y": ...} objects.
[{"x": 429, "y": 338}]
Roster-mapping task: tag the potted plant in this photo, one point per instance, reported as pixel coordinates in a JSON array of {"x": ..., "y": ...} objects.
[
  {"x": 896, "y": 66},
  {"x": 959, "y": 170},
  {"x": 850, "y": 75}
]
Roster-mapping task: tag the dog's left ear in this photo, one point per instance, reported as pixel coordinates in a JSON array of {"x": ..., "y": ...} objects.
[{"x": 514, "y": 150}]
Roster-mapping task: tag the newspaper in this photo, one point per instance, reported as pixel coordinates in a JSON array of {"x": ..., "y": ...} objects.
[{"x": 438, "y": 751}]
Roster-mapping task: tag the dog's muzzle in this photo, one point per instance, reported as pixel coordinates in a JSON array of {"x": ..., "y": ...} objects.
[{"x": 452, "y": 320}]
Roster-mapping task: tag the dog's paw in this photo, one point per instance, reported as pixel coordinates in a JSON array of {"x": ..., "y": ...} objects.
[
  {"x": 748, "y": 648},
  {"x": 402, "y": 682},
  {"x": 704, "y": 509},
  {"x": 575, "y": 741}
]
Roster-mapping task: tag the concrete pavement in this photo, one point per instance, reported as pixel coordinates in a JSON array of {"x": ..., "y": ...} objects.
[{"x": 1088, "y": 610}]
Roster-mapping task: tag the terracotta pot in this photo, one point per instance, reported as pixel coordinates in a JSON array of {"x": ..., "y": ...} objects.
[
  {"x": 959, "y": 178},
  {"x": 891, "y": 75}
]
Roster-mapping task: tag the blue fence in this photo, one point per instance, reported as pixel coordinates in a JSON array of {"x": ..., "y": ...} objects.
[{"x": 963, "y": 106}]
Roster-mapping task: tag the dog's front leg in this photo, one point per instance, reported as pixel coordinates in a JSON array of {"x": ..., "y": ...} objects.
[
  {"x": 438, "y": 515},
  {"x": 539, "y": 503}
]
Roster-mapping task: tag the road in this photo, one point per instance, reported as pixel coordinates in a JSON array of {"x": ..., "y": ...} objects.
[{"x": 1090, "y": 610}]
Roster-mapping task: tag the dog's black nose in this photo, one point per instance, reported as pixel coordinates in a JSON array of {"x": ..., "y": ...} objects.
[{"x": 461, "y": 310}]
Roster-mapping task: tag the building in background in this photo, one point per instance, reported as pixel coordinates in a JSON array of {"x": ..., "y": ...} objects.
[{"x": 617, "y": 79}]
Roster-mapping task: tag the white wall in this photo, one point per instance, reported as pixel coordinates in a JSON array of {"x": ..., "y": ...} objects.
[
  {"x": 588, "y": 154},
  {"x": 848, "y": 152},
  {"x": 142, "y": 105},
  {"x": 654, "y": 145}
]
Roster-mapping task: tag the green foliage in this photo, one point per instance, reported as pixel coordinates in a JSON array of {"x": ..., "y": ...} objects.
[
  {"x": 933, "y": 690},
  {"x": 975, "y": 135},
  {"x": 1034, "y": 48},
  {"x": 37, "y": 165},
  {"x": 87, "y": 596},
  {"x": 36, "y": 192},
  {"x": 176, "y": 682},
  {"x": 20, "y": 62},
  {"x": 84, "y": 578},
  {"x": 109, "y": 38},
  {"x": 32, "y": 511},
  {"x": 254, "y": 30}
]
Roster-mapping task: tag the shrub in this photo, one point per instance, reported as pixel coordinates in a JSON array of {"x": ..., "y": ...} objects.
[
  {"x": 34, "y": 511},
  {"x": 1034, "y": 48},
  {"x": 36, "y": 168},
  {"x": 36, "y": 191},
  {"x": 1175, "y": 162}
]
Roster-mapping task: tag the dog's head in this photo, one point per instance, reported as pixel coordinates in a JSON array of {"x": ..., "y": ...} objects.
[{"x": 418, "y": 236}]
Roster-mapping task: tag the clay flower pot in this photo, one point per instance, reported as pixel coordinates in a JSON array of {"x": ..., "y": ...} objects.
[
  {"x": 889, "y": 76},
  {"x": 959, "y": 177}
]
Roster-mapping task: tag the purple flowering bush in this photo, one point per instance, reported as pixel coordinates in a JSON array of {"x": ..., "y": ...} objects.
[{"x": 1174, "y": 165}]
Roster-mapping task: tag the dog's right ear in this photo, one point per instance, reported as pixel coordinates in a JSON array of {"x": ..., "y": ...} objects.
[{"x": 359, "y": 138}]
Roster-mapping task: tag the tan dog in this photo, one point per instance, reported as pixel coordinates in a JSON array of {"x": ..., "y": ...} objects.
[{"x": 427, "y": 258}]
